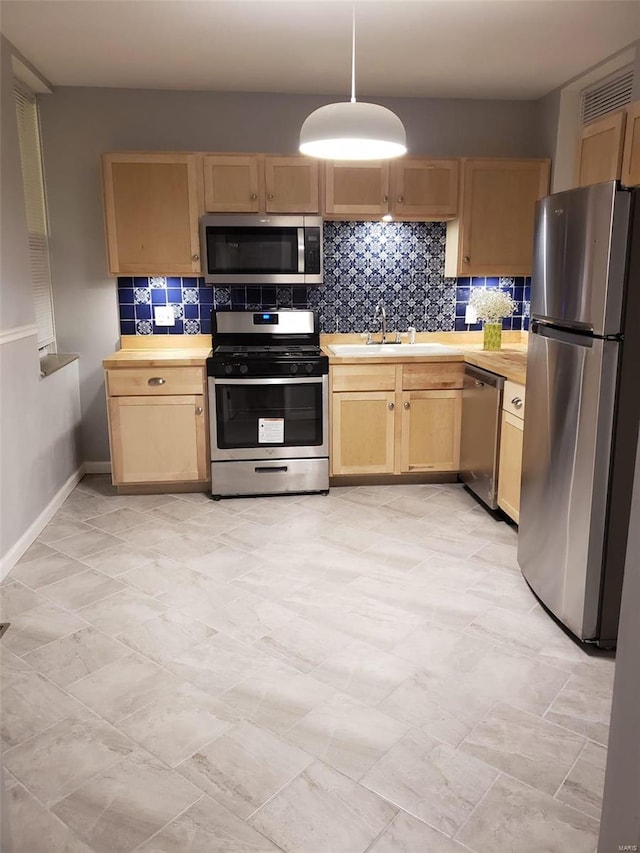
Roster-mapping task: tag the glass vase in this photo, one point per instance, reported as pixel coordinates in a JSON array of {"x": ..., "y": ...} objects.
[{"x": 492, "y": 336}]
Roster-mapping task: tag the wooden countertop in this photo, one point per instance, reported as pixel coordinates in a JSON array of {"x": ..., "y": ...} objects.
[
  {"x": 510, "y": 361},
  {"x": 173, "y": 357}
]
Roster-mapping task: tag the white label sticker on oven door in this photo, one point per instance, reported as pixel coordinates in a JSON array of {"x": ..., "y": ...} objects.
[{"x": 270, "y": 430}]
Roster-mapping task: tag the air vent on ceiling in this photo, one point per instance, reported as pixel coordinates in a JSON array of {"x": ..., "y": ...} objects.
[{"x": 607, "y": 95}]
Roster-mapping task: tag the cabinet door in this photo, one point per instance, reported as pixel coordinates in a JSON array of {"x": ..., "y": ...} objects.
[
  {"x": 510, "y": 470},
  {"x": 494, "y": 234},
  {"x": 631, "y": 156},
  {"x": 151, "y": 213},
  {"x": 291, "y": 185},
  {"x": 425, "y": 189},
  {"x": 430, "y": 439},
  {"x": 356, "y": 189},
  {"x": 362, "y": 432},
  {"x": 157, "y": 439},
  {"x": 233, "y": 183},
  {"x": 600, "y": 150}
]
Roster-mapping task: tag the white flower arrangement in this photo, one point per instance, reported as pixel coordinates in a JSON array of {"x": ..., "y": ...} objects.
[{"x": 491, "y": 304}]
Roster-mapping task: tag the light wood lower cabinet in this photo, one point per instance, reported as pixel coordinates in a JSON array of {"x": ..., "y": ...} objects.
[
  {"x": 430, "y": 431},
  {"x": 157, "y": 425},
  {"x": 510, "y": 464},
  {"x": 363, "y": 432},
  {"x": 395, "y": 419}
]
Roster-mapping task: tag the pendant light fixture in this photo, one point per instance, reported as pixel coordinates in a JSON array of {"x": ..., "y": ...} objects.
[{"x": 353, "y": 130}]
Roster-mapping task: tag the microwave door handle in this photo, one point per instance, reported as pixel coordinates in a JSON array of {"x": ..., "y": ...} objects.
[{"x": 300, "y": 250}]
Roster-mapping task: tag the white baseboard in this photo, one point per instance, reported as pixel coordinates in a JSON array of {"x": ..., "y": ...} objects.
[
  {"x": 8, "y": 561},
  {"x": 96, "y": 468}
]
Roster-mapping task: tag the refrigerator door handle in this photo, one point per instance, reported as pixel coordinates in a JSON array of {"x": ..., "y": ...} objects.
[{"x": 565, "y": 336}]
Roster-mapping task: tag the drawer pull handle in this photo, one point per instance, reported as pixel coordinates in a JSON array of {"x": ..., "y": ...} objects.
[
  {"x": 156, "y": 380},
  {"x": 479, "y": 384},
  {"x": 517, "y": 402},
  {"x": 199, "y": 410},
  {"x": 282, "y": 469}
]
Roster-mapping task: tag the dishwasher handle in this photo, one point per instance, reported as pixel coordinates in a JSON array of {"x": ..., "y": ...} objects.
[{"x": 483, "y": 377}]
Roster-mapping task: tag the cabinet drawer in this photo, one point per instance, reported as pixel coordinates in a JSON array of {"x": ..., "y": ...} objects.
[
  {"x": 513, "y": 400},
  {"x": 432, "y": 377},
  {"x": 363, "y": 377},
  {"x": 154, "y": 381}
]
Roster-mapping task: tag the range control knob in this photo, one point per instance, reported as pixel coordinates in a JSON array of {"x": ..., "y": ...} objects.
[
  {"x": 293, "y": 368},
  {"x": 244, "y": 369},
  {"x": 309, "y": 367},
  {"x": 228, "y": 368}
]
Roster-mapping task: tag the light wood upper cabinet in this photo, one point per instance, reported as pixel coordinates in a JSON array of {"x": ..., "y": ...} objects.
[
  {"x": 395, "y": 419},
  {"x": 424, "y": 189},
  {"x": 254, "y": 183},
  {"x": 418, "y": 188},
  {"x": 356, "y": 189},
  {"x": 493, "y": 234},
  {"x": 152, "y": 204},
  {"x": 291, "y": 185},
  {"x": 157, "y": 425},
  {"x": 631, "y": 157},
  {"x": 600, "y": 149},
  {"x": 233, "y": 183}
]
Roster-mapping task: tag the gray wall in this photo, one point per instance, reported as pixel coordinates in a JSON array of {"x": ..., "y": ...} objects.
[
  {"x": 80, "y": 124},
  {"x": 39, "y": 419}
]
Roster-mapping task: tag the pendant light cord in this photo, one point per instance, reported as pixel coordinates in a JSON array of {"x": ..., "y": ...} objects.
[{"x": 353, "y": 55}]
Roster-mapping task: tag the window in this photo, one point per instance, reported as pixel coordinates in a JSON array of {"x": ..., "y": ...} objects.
[{"x": 36, "y": 211}]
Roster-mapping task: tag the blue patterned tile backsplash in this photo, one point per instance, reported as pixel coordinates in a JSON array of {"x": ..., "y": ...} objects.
[{"x": 399, "y": 262}]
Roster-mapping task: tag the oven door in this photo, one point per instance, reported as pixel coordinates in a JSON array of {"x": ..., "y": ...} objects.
[{"x": 275, "y": 418}]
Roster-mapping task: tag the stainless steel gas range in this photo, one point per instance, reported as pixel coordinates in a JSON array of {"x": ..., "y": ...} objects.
[{"x": 268, "y": 404}]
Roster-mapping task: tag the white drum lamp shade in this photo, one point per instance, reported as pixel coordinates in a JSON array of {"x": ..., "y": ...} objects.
[{"x": 353, "y": 131}]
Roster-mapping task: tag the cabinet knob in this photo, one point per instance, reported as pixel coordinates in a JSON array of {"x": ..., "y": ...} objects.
[
  {"x": 400, "y": 199},
  {"x": 391, "y": 406},
  {"x": 199, "y": 410},
  {"x": 517, "y": 402},
  {"x": 270, "y": 196},
  {"x": 466, "y": 259},
  {"x": 254, "y": 196},
  {"x": 407, "y": 405},
  {"x": 385, "y": 198},
  {"x": 195, "y": 257},
  {"x": 156, "y": 380}
]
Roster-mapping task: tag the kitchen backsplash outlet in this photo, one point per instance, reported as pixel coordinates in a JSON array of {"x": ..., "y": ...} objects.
[{"x": 399, "y": 262}]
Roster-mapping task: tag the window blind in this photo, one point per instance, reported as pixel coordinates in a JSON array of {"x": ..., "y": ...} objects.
[
  {"x": 36, "y": 212},
  {"x": 607, "y": 95}
]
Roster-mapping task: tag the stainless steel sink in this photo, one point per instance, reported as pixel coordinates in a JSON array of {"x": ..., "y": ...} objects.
[{"x": 366, "y": 350}]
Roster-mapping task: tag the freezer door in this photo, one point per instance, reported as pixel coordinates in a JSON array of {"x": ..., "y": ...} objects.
[
  {"x": 580, "y": 253},
  {"x": 571, "y": 386}
]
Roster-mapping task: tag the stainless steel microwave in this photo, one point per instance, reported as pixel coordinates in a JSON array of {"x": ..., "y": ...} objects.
[{"x": 261, "y": 249}]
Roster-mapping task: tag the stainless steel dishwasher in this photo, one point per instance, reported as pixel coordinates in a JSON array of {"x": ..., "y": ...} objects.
[{"x": 481, "y": 406}]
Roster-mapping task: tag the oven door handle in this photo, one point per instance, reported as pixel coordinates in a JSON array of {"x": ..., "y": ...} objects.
[
  {"x": 264, "y": 469},
  {"x": 280, "y": 380}
]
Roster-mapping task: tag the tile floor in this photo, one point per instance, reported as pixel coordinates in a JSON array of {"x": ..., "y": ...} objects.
[{"x": 360, "y": 672}]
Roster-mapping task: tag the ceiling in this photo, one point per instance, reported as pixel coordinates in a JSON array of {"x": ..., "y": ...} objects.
[{"x": 415, "y": 48}]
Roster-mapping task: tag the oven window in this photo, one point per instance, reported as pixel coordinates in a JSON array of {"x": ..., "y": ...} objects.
[
  {"x": 251, "y": 415},
  {"x": 252, "y": 250}
]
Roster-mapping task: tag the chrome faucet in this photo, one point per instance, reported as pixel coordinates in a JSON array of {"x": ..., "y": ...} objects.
[{"x": 379, "y": 315}]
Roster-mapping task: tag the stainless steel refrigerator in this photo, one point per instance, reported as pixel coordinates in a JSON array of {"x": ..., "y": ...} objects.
[{"x": 583, "y": 392}]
